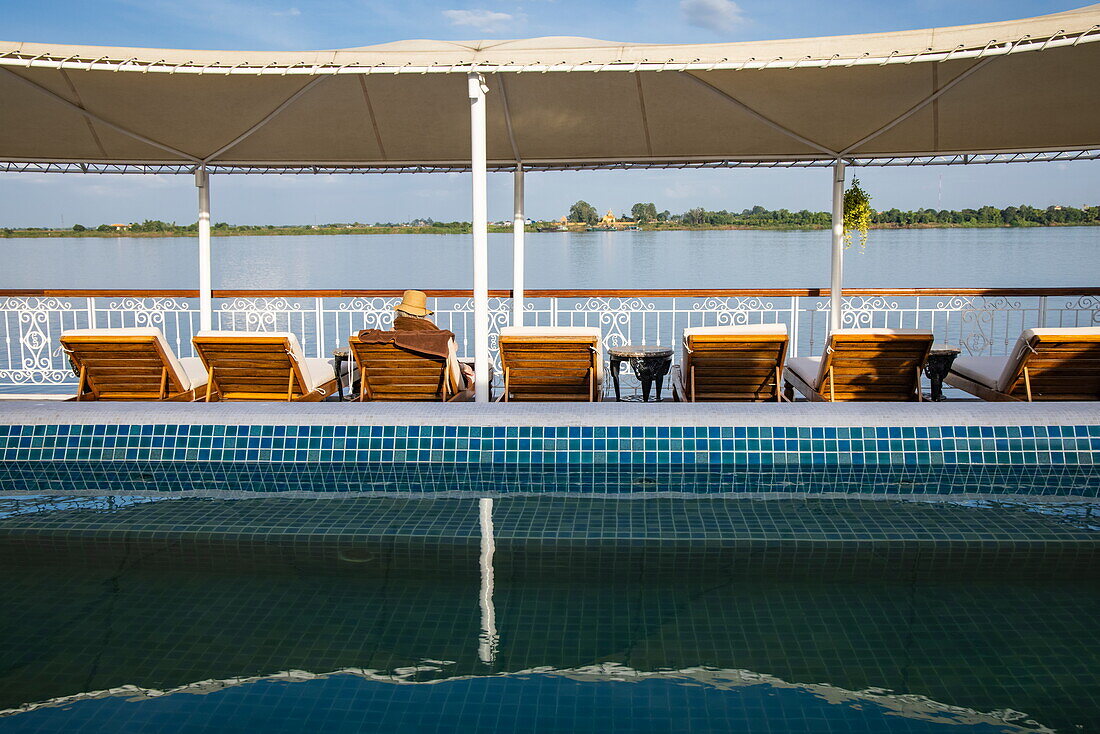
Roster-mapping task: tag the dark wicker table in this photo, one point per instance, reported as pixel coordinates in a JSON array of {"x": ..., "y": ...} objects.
[
  {"x": 938, "y": 365},
  {"x": 649, "y": 364},
  {"x": 339, "y": 356}
]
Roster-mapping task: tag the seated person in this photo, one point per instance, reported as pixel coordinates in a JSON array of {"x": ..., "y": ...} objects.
[{"x": 412, "y": 315}]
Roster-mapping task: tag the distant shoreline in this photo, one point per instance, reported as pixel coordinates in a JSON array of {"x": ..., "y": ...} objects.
[{"x": 335, "y": 231}]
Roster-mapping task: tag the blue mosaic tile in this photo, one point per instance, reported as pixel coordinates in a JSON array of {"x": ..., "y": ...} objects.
[{"x": 743, "y": 445}]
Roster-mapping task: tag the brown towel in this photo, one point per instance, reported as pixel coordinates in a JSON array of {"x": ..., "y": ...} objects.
[
  {"x": 433, "y": 343},
  {"x": 408, "y": 323}
]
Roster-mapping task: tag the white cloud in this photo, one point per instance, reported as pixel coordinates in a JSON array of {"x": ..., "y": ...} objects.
[
  {"x": 289, "y": 12},
  {"x": 715, "y": 15},
  {"x": 482, "y": 20}
]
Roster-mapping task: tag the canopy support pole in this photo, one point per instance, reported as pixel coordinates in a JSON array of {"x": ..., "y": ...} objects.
[
  {"x": 206, "y": 301},
  {"x": 519, "y": 221},
  {"x": 479, "y": 220},
  {"x": 836, "y": 279}
]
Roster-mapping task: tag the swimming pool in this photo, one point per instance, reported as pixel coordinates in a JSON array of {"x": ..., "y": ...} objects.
[
  {"x": 810, "y": 572},
  {"x": 548, "y": 613}
]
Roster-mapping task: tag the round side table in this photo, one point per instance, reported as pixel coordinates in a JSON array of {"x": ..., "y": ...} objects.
[
  {"x": 940, "y": 359},
  {"x": 649, "y": 364}
]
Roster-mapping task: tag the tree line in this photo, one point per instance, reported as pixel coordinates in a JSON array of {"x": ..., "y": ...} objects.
[{"x": 1011, "y": 216}]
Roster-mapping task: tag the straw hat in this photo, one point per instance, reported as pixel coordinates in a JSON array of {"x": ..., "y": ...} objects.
[{"x": 414, "y": 303}]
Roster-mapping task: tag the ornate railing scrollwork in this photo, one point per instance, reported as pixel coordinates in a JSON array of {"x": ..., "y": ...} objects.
[
  {"x": 733, "y": 311},
  {"x": 860, "y": 312},
  {"x": 258, "y": 314},
  {"x": 980, "y": 323},
  {"x": 32, "y": 325}
]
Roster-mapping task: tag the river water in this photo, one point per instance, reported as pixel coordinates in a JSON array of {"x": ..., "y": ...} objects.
[{"x": 1032, "y": 257}]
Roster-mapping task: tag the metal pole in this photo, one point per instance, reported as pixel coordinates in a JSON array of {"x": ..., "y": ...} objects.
[
  {"x": 836, "y": 279},
  {"x": 480, "y": 218},
  {"x": 206, "y": 302},
  {"x": 519, "y": 221}
]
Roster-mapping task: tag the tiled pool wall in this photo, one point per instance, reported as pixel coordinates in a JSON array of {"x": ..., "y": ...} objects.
[
  {"x": 218, "y": 479},
  {"x": 560, "y": 446}
]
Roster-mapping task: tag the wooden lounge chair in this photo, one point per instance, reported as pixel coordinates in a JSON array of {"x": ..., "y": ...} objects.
[
  {"x": 1045, "y": 364},
  {"x": 551, "y": 363},
  {"x": 863, "y": 364},
  {"x": 261, "y": 365},
  {"x": 389, "y": 372},
  {"x": 130, "y": 364},
  {"x": 730, "y": 363}
]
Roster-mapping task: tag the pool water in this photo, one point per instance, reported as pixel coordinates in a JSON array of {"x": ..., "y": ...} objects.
[{"x": 363, "y": 613}]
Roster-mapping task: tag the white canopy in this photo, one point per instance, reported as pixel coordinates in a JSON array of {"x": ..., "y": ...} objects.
[{"x": 1027, "y": 85}]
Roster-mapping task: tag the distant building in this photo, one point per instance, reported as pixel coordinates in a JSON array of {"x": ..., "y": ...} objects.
[{"x": 119, "y": 227}]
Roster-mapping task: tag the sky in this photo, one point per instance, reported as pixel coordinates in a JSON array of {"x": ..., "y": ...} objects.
[{"x": 56, "y": 200}]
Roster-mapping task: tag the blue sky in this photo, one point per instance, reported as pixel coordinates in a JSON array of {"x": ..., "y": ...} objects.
[{"x": 51, "y": 200}]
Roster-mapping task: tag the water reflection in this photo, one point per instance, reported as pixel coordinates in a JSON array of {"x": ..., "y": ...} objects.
[{"x": 518, "y": 611}]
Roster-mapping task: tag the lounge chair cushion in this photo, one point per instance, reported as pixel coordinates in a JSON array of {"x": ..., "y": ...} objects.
[
  {"x": 581, "y": 331},
  {"x": 985, "y": 371},
  {"x": 551, "y": 331},
  {"x": 315, "y": 371},
  {"x": 184, "y": 373},
  {"x": 881, "y": 332},
  {"x": 808, "y": 369},
  {"x": 755, "y": 329},
  {"x": 195, "y": 370},
  {"x": 318, "y": 371}
]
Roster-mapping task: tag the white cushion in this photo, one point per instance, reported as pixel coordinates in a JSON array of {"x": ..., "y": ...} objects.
[
  {"x": 182, "y": 375},
  {"x": 318, "y": 371},
  {"x": 195, "y": 370},
  {"x": 551, "y": 331},
  {"x": 808, "y": 369},
  {"x": 770, "y": 329},
  {"x": 458, "y": 380},
  {"x": 882, "y": 332},
  {"x": 983, "y": 370},
  {"x": 1062, "y": 331}
]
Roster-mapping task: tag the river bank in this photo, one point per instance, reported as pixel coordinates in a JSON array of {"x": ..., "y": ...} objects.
[{"x": 249, "y": 231}]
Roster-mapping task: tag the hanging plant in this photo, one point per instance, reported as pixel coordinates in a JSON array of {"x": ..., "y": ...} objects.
[{"x": 857, "y": 214}]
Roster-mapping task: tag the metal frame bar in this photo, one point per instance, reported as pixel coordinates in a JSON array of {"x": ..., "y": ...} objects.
[
  {"x": 1062, "y": 38},
  {"x": 329, "y": 168}
]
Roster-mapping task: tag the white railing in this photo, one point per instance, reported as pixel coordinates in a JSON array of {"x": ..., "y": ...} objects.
[{"x": 979, "y": 321}]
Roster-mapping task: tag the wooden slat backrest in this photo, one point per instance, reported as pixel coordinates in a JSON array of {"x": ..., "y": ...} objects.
[
  {"x": 122, "y": 367},
  {"x": 734, "y": 366},
  {"x": 1059, "y": 367},
  {"x": 389, "y": 372},
  {"x": 873, "y": 366},
  {"x": 251, "y": 368},
  {"x": 551, "y": 367}
]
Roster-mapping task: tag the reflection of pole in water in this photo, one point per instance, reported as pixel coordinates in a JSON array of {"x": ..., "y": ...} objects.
[{"x": 487, "y": 641}]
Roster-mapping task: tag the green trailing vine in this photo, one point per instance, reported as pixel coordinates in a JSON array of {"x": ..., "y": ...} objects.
[{"x": 857, "y": 214}]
